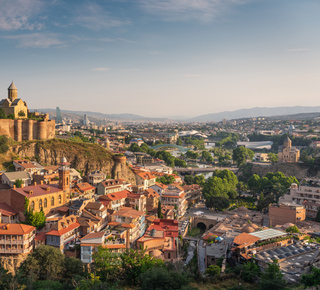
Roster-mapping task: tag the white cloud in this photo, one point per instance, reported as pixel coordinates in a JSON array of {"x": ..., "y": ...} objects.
[
  {"x": 101, "y": 69},
  {"x": 18, "y": 14},
  {"x": 298, "y": 49},
  {"x": 183, "y": 10},
  {"x": 40, "y": 40},
  {"x": 93, "y": 16}
]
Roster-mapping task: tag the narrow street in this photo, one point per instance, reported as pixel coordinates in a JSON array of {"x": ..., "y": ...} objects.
[{"x": 201, "y": 257}]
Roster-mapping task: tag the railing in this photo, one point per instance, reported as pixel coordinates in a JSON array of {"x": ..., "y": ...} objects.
[{"x": 16, "y": 251}]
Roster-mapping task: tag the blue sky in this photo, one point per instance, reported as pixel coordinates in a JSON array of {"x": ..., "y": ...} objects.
[{"x": 161, "y": 57}]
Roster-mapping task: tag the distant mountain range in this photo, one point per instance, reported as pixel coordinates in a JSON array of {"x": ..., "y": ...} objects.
[
  {"x": 285, "y": 112},
  {"x": 254, "y": 112}
]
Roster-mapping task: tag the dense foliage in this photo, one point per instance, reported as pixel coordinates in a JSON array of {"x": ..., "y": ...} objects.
[{"x": 35, "y": 219}]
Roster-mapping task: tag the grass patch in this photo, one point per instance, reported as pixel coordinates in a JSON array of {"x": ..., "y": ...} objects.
[{"x": 194, "y": 232}]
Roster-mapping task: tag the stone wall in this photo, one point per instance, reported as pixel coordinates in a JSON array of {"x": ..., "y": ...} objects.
[{"x": 27, "y": 129}]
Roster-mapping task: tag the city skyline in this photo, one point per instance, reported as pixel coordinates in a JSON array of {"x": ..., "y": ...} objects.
[{"x": 199, "y": 56}]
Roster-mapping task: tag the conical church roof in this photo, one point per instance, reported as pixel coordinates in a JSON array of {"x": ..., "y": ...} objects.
[{"x": 12, "y": 87}]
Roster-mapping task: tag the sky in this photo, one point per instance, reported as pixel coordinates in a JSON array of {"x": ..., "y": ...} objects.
[{"x": 161, "y": 58}]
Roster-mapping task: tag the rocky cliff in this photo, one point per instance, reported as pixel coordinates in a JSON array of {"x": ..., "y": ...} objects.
[{"x": 84, "y": 157}]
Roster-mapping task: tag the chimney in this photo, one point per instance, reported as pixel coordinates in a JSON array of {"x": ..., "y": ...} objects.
[
  {"x": 14, "y": 186},
  {"x": 22, "y": 185},
  {"x": 35, "y": 183},
  {"x": 41, "y": 182}
]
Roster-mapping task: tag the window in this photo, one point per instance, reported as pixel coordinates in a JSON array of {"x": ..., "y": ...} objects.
[
  {"x": 40, "y": 204},
  {"x": 52, "y": 201},
  {"x": 45, "y": 203},
  {"x": 32, "y": 205},
  {"x": 59, "y": 199}
]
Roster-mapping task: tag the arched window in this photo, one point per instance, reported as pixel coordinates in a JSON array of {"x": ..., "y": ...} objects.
[
  {"x": 40, "y": 204},
  {"x": 45, "y": 203},
  {"x": 59, "y": 199},
  {"x": 67, "y": 181},
  {"x": 32, "y": 205},
  {"x": 52, "y": 201}
]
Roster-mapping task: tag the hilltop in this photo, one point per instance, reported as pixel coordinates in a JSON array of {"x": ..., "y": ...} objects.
[{"x": 84, "y": 157}]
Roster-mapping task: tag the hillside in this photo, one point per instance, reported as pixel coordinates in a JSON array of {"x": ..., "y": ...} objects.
[
  {"x": 84, "y": 157},
  {"x": 254, "y": 112}
]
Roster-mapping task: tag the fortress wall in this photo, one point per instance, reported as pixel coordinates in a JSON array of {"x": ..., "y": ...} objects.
[
  {"x": 7, "y": 127},
  {"x": 27, "y": 129}
]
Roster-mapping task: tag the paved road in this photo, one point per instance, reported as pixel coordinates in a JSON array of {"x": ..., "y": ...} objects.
[{"x": 201, "y": 257}]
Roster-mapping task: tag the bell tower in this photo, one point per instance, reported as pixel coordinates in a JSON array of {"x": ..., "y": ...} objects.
[
  {"x": 12, "y": 92},
  {"x": 64, "y": 174}
]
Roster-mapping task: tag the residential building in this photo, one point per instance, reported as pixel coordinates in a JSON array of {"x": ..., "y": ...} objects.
[
  {"x": 95, "y": 177},
  {"x": 132, "y": 219},
  {"x": 8, "y": 214},
  {"x": 162, "y": 235},
  {"x": 308, "y": 190},
  {"x": 193, "y": 193},
  {"x": 115, "y": 201},
  {"x": 64, "y": 233},
  {"x": 283, "y": 213},
  {"x": 11, "y": 177},
  {"x": 136, "y": 201},
  {"x": 16, "y": 239},
  {"x": 152, "y": 199},
  {"x": 159, "y": 187},
  {"x": 26, "y": 165},
  {"x": 112, "y": 185},
  {"x": 175, "y": 196},
  {"x": 86, "y": 190}
]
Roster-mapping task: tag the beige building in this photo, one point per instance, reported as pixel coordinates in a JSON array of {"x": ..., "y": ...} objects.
[
  {"x": 13, "y": 105},
  {"x": 288, "y": 153}
]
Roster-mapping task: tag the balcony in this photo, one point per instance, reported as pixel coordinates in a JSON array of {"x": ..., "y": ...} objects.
[{"x": 16, "y": 251}]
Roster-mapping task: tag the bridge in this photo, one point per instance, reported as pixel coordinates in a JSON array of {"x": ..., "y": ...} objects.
[
  {"x": 180, "y": 148},
  {"x": 194, "y": 170}
]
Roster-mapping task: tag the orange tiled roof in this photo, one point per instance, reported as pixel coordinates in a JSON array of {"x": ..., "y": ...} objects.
[
  {"x": 145, "y": 175},
  {"x": 15, "y": 229},
  {"x": 63, "y": 231},
  {"x": 7, "y": 210},
  {"x": 245, "y": 239},
  {"x": 163, "y": 186},
  {"x": 116, "y": 195},
  {"x": 38, "y": 190}
]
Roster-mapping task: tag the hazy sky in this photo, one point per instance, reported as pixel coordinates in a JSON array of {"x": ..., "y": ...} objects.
[{"x": 161, "y": 57}]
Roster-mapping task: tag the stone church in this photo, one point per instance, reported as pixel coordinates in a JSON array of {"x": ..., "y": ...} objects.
[
  {"x": 14, "y": 105},
  {"x": 287, "y": 153}
]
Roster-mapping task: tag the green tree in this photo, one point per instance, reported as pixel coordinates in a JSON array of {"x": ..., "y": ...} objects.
[
  {"x": 192, "y": 155},
  {"x": 218, "y": 203},
  {"x": 199, "y": 179},
  {"x": 188, "y": 179},
  {"x": 272, "y": 278},
  {"x": 272, "y": 157},
  {"x": 212, "y": 271},
  {"x": 241, "y": 187},
  {"x": 163, "y": 279},
  {"x": 241, "y": 154},
  {"x": 179, "y": 163},
  {"x": 2, "y": 114},
  {"x": 250, "y": 272},
  {"x": 106, "y": 264},
  {"x": 293, "y": 229},
  {"x": 21, "y": 114},
  {"x": 18, "y": 183},
  {"x": 37, "y": 219},
  {"x": 160, "y": 215},
  {"x": 45, "y": 263},
  {"x": 4, "y": 147},
  {"x": 5, "y": 277},
  {"x": 313, "y": 279},
  {"x": 136, "y": 262},
  {"x": 179, "y": 141}
]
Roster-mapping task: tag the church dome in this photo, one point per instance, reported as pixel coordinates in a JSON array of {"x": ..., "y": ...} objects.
[
  {"x": 12, "y": 87},
  {"x": 63, "y": 160}
]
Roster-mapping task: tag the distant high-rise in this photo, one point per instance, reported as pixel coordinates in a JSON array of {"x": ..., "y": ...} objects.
[
  {"x": 58, "y": 116},
  {"x": 86, "y": 121}
]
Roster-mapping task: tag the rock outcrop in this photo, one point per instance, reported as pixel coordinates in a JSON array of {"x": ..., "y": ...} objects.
[{"x": 84, "y": 157}]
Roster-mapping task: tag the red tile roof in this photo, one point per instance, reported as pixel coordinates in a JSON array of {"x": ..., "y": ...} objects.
[
  {"x": 38, "y": 190},
  {"x": 116, "y": 195},
  {"x": 145, "y": 175},
  {"x": 15, "y": 229},
  {"x": 63, "y": 231},
  {"x": 7, "y": 210}
]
